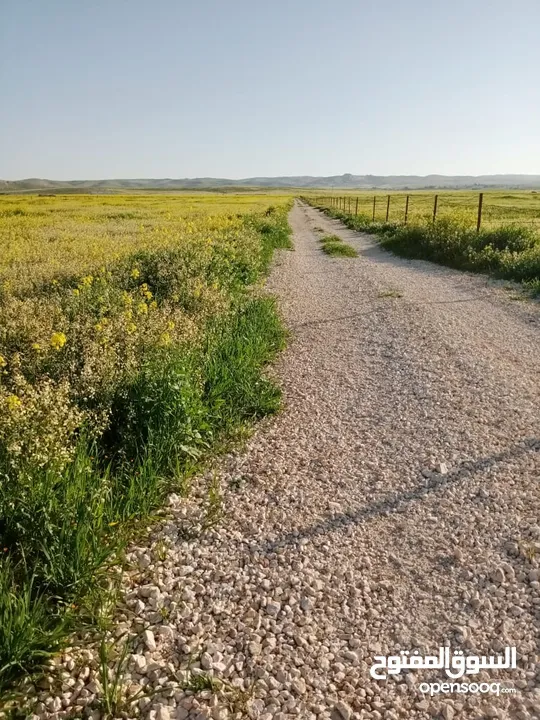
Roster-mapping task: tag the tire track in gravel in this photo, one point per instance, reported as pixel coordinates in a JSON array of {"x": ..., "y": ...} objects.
[{"x": 345, "y": 541}]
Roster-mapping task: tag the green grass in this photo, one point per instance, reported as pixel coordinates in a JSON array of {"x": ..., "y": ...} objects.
[
  {"x": 64, "y": 527},
  {"x": 511, "y": 252},
  {"x": 334, "y": 245},
  {"x": 30, "y": 627}
]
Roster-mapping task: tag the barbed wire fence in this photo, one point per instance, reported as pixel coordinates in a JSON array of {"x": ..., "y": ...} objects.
[{"x": 397, "y": 207}]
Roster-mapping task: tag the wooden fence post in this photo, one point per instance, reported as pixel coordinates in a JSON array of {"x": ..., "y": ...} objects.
[
  {"x": 374, "y": 200},
  {"x": 387, "y": 208},
  {"x": 406, "y": 209},
  {"x": 435, "y": 202},
  {"x": 356, "y": 208},
  {"x": 480, "y": 204}
]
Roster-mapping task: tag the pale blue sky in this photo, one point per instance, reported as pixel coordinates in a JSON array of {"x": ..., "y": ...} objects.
[{"x": 231, "y": 88}]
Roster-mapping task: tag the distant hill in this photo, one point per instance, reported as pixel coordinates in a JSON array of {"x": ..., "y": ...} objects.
[{"x": 344, "y": 182}]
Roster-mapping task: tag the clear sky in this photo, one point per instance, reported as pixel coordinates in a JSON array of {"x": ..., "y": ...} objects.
[{"x": 238, "y": 88}]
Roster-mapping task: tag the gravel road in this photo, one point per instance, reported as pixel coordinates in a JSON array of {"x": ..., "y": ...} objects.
[{"x": 393, "y": 505}]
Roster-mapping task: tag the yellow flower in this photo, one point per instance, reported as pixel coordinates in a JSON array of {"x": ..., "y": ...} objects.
[
  {"x": 148, "y": 295},
  {"x": 76, "y": 291},
  {"x": 165, "y": 339},
  {"x": 12, "y": 401},
  {"x": 128, "y": 300},
  {"x": 58, "y": 340},
  {"x": 36, "y": 346},
  {"x": 135, "y": 273},
  {"x": 131, "y": 328},
  {"x": 153, "y": 305},
  {"x": 142, "y": 308},
  {"x": 170, "y": 325},
  {"x": 3, "y": 361},
  {"x": 87, "y": 281}
]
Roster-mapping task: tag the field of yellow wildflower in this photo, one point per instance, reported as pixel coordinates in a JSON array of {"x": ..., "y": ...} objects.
[{"x": 132, "y": 338}]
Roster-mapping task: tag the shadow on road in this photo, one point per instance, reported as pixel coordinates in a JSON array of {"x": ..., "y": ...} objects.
[{"x": 398, "y": 502}]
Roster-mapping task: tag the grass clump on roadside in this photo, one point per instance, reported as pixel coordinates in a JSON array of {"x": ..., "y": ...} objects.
[
  {"x": 511, "y": 252},
  {"x": 115, "y": 383},
  {"x": 334, "y": 245}
]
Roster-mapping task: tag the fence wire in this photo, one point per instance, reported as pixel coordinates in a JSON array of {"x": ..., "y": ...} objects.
[{"x": 483, "y": 210}]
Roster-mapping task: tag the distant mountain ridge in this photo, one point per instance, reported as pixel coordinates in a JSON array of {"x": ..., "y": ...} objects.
[{"x": 337, "y": 182}]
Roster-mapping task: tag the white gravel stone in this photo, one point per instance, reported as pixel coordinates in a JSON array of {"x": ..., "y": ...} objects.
[
  {"x": 163, "y": 713},
  {"x": 149, "y": 640},
  {"x": 206, "y": 661},
  {"x": 343, "y": 711},
  {"x": 273, "y": 608},
  {"x": 447, "y": 712}
]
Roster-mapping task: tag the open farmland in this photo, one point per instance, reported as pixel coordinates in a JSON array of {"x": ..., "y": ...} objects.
[
  {"x": 132, "y": 337},
  {"x": 65, "y": 235},
  {"x": 506, "y": 207}
]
